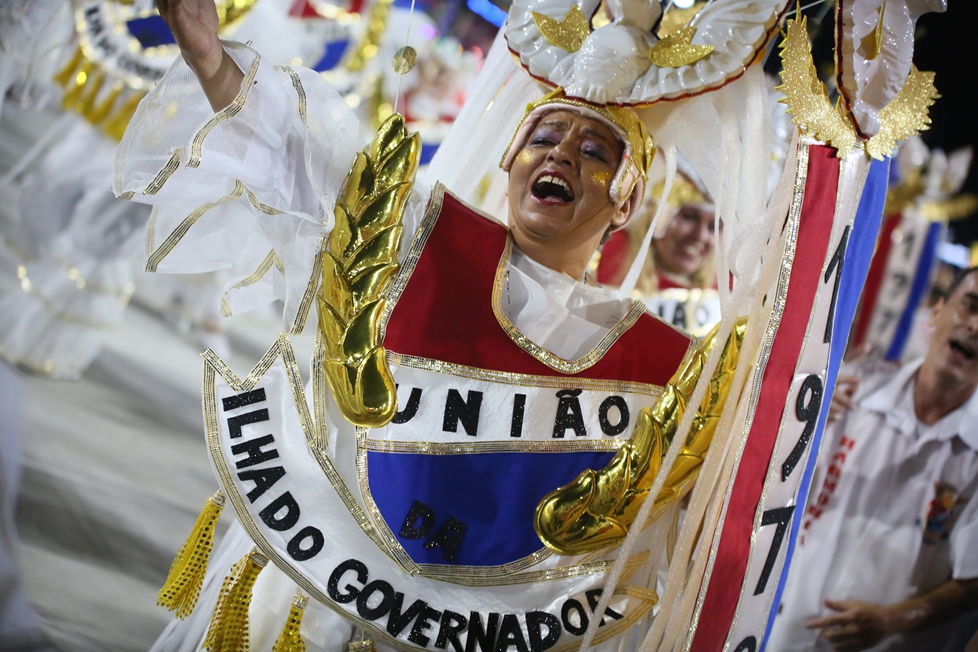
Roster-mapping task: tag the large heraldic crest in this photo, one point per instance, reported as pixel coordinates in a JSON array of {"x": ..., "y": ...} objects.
[{"x": 420, "y": 529}]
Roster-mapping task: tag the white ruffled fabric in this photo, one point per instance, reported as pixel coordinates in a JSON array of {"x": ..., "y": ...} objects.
[
  {"x": 72, "y": 243},
  {"x": 33, "y": 37}
]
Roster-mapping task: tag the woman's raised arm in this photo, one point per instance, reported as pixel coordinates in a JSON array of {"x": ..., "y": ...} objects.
[{"x": 194, "y": 25}]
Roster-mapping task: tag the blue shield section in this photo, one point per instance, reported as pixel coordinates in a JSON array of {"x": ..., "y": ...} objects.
[
  {"x": 855, "y": 266},
  {"x": 471, "y": 510}
]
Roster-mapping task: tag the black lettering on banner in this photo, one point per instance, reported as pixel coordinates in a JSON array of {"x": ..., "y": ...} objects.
[
  {"x": 569, "y": 608},
  {"x": 679, "y": 316},
  {"x": 593, "y": 598},
  {"x": 900, "y": 281},
  {"x": 484, "y": 637},
  {"x": 381, "y": 607},
  {"x": 534, "y": 621},
  {"x": 418, "y": 634},
  {"x": 908, "y": 238},
  {"x": 253, "y": 447},
  {"x": 243, "y": 399},
  {"x": 235, "y": 423},
  {"x": 835, "y": 265},
  {"x": 399, "y": 619},
  {"x": 461, "y": 411},
  {"x": 452, "y": 624},
  {"x": 806, "y": 412},
  {"x": 315, "y": 539},
  {"x": 511, "y": 635},
  {"x": 264, "y": 479},
  {"x": 284, "y": 505},
  {"x": 411, "y": 409},
  {"x": 702, "y": 315},
  {"x": 569, "y": 416},
  {"x": 749, "y": 644},
  {"x": 519, "y": 407},
  {"x": 349, "y": 592},
  {"x": 448, "y": 537},
  {"x": 782, "y": 517},
  {"x": 418, "y": 523},
  {"x": 613, "y": 430},
  {"x": 887, "y": 317}
]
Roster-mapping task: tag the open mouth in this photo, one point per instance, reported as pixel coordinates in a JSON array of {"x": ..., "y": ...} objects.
[
  {"x": 963, "y": 349},
  {"x": 552, "y": 189}
]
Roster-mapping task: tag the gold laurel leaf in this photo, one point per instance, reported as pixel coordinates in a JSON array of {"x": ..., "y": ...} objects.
[
  {"x": 390, "y": 135},
  {"x": 375, "y": 374},
  {"x": 372, "y": 282},
  {"x": 399, "y": 163},
  {"x": 568, "y": 34},
  {"x": 359, "y": 182},
  {"x": 343, "y": 238},
  {"x": 805, "y": 96},
  {"x": 335, "y": 289},
  {"x": 675, "y": 50},
  {"x": 359, "y": 336},
  {"x": 380, "y": 249},
  {"x": 359, "y": 262},
  {"x": 907, "y": 114},
  {"x": 374, "y": 217},
  {"x": 331, "y": 324}
]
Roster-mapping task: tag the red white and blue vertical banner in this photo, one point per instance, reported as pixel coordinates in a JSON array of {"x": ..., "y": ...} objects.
[
  {"x": 903, "y": 264},
  {"x": 828, "y": 238}
]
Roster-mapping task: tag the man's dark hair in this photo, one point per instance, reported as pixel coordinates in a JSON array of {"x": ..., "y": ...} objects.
[{"x": 957, "y": 281}]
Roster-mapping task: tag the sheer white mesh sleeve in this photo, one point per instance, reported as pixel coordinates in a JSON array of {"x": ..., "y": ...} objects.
[{"x": 249, "y": 189}]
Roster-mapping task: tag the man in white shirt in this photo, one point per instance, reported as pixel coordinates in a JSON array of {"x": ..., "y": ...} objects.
[{"x": 888, "y": 549}]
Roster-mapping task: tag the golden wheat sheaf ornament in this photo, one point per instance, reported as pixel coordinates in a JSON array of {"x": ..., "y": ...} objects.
[{"x": 359, "y": 261}]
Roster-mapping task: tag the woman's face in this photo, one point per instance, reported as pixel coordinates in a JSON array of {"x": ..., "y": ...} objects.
[
  {"x": 687, "y": 243},
  {"x": 559, "y": 182}
]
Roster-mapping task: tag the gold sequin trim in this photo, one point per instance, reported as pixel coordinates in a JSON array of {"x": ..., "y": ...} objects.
[
  {"x": 541, "y": 354},
  {"x": 522, "y": 380},
  {"x": 231, "y": 110},
  {"x": 271, "y": 260},
  {"x": 515, "y": 446},
  {"x": 302, "y": 314},
  {"x": 300, "y": 91},
  {"x": 161, "y": 177}
]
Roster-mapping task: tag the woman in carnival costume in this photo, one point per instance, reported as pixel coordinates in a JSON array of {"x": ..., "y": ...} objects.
[
  {"x": 678, "y": 277},
  {"x": 464, "y": 371}
]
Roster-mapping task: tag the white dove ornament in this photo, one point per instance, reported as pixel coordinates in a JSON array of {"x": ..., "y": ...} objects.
[{"x": 636, "y": 60}]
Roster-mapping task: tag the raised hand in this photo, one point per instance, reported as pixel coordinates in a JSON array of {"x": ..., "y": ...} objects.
[{"x": 194, "y": 25}]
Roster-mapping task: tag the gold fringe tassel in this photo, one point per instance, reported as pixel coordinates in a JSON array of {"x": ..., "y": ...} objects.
[
  {"x": 228, "y": 631},
  {"x": 186, "y": 576},
  {"x": 290, "y": 640}
]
